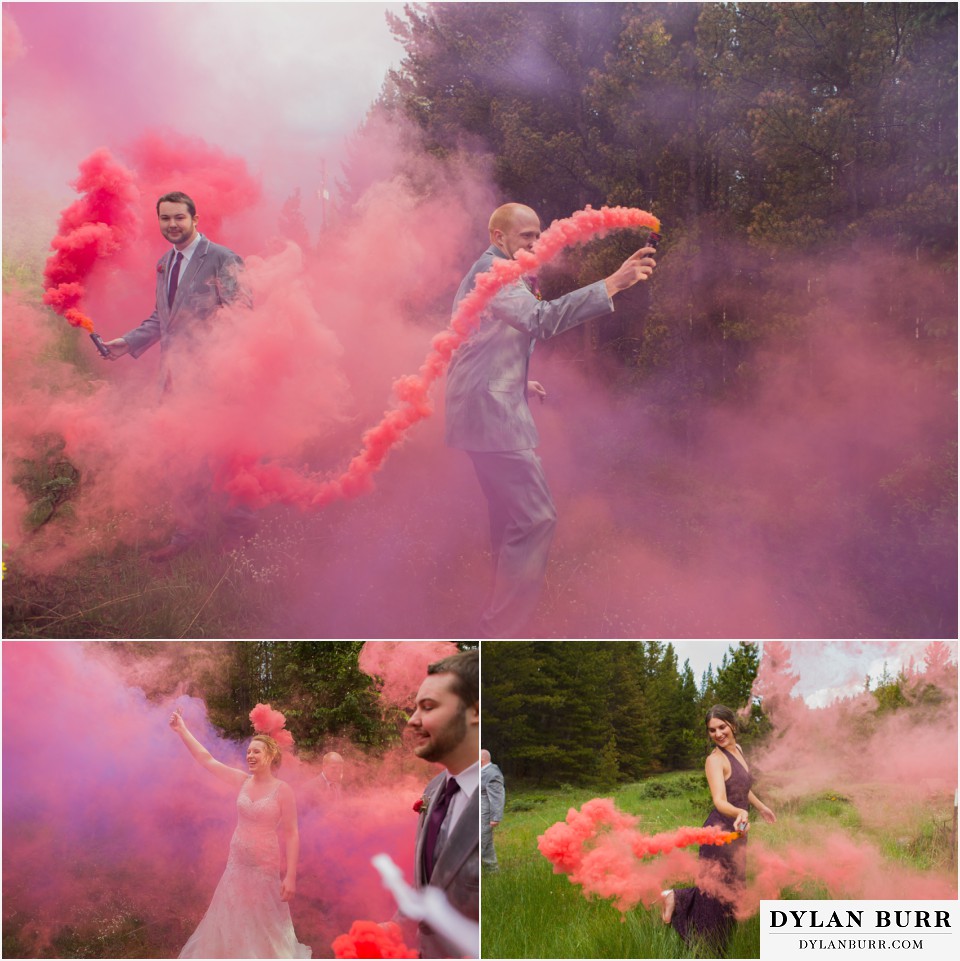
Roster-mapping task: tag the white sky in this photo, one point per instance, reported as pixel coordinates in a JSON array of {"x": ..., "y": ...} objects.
[
  {"x": 701, "y": 654},
  {"x": 281, "y": 84},
  {"x": 827, "y": 669}
]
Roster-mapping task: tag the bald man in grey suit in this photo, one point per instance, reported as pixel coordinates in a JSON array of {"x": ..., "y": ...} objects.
[
  {"x": 488, "y": 414},
  {"x": 194, "y": 280},
  {"x": 445, "y": 728},
  {"x": 492, "y": 800}
]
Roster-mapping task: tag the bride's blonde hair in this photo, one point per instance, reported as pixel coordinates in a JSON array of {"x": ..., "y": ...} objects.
[{"x": 273, "y": 749}]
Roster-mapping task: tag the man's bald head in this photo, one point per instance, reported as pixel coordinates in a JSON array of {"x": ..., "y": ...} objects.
[
  {"x": 504, "y": 216},
  {"x": 484, "y": 757},
  {"x": 514, "y": 227},
  {"x": 333, "y": 766}
]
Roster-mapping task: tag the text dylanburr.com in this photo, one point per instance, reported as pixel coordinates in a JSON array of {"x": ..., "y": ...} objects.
[{"x": 858, "y": 929}]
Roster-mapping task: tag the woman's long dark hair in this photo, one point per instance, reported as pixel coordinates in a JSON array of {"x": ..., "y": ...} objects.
[{"x": 722, "y": 713}]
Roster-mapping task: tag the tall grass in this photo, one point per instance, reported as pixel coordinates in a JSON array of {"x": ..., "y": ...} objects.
[
  {"x": 530, "y": 912},
  {"x": 119, "y": 593}
]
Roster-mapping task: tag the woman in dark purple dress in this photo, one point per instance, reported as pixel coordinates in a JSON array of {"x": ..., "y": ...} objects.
[{"x": 706, "y": 911}]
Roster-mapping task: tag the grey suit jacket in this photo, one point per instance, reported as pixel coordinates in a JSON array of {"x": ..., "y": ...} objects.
[
  {"x": 492, "y": 793},
  {"x": 210, "y": 280},
  {"x": 457, "y": 869},
  {"x": 486, "y": 395}
]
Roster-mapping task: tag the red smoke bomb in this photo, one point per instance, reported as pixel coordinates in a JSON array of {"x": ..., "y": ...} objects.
[
  {"x": 99, "y": 224},
  {"x": 257, "y": 484},
  {"x": 100, "y": 345},
  {"x": 367, "y": 939}
]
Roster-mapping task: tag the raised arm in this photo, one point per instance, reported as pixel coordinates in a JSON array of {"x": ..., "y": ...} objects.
[
  {"x": 636, "y": 267},
  {"x": 203, "y": 757},
  {"x": 291, "y": 834}
]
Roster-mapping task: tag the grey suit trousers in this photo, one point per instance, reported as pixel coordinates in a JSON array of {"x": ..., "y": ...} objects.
[
  {"x": 488, "y": 853},
  {"x": 522, "y": 522}
]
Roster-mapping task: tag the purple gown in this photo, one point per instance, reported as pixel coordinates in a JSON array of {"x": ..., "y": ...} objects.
[{"x": 697, "y": 914}]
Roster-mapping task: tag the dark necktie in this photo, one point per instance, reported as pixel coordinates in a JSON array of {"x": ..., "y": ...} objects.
[
  {"x": 174, "y": 278},
  {"x": 437, "y": 815}
]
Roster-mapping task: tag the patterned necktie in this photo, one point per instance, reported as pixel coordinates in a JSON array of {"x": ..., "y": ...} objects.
[
  {"x": 436, "y": 820},
  {"x": 174, "y": 279}
]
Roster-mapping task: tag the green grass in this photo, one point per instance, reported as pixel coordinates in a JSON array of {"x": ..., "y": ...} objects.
[
  {"x": 530, "y": 912},
  {"x": 121, "y": 594},
  {"x": 114, "y": 930},
  {"x": 527, "y": 912}
]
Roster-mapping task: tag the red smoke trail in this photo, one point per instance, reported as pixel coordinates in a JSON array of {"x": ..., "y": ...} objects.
[
  {"x": 99, "y": 224},
  {"x": 367, "y": 939},
  {"x": 261, "y": 484},
  {"x": 600, "y": 849},
  {"x": 566, "y": 843}
]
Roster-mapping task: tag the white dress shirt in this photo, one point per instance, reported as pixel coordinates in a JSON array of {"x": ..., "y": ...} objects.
[{"x": 469, "y": 781}]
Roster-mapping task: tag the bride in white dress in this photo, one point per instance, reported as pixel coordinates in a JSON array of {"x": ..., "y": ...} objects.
[{"x": 248, "y": 916}]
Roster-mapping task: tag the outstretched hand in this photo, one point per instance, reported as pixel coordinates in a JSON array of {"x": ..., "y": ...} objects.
[
  {"x": 117, "y": 347},
  {"x": 636, "y": 267},
  {"x": 177, "y": 722}
]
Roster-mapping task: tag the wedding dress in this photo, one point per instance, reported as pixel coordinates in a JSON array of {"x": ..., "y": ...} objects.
[{"x": 246, "y": 918}]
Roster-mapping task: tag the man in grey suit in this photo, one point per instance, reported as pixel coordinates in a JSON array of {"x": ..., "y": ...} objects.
[
  {"x": 492, "y": 797},
  {"x": 444, "y": 728},
  {"x": 488, "y": 414},
  {"x": 327, "y": 787},
  {"x": 194, "y": 280}
]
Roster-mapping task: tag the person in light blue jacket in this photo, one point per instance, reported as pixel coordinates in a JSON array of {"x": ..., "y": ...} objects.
[
  {"x": 492, "y": 799},
  {"x": 489, "y": 417}
]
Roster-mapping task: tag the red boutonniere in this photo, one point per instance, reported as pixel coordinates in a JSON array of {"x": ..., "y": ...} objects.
[
  {"x": 160, "y": 267},
  {"x": 420, "y": 804}
]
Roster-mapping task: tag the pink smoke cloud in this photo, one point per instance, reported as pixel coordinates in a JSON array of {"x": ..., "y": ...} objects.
[
  {"x": 602, "y": 851},
  {"x": 895, "y": 769},
  {"x": 402, "y": 665},
  {"x": 13, "y": 46},
  {"x": 96, "y": 227},
  {"x": 412, "y": 401},
  {"x": 847, "y": 742},
  {"x": 782, "y": 510},
  {"x": 266, "y": 720},
  {"x": 368, "y": 939},
  {"x": 103, "y": 806}
]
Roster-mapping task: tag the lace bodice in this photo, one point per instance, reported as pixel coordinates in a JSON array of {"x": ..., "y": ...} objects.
[
  {"x": 254, "y": 842},
  {"x": 246, "y": 918}
]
